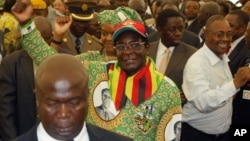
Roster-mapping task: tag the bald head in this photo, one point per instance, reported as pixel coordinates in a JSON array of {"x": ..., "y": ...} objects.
[
  {"x": 61, "y": 66},
  {"x": 212, "y": 19},
  {"x": 45, "y": 28},
  {"x": 61, "y": 92}
]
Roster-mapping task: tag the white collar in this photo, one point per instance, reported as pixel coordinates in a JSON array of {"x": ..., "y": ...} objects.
[
  {"x": 213, "y": 58},
  {"x": 42, "y": 135}
]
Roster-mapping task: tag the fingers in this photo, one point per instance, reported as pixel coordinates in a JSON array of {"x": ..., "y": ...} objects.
[
  {"x": 242, "y": 76},
  {"x": 62, "y": 20}
]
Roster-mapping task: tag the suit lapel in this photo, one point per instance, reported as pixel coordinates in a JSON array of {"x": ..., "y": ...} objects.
[
  {"x": 237, "y": 49},
  {"x": 94, "y": 135},
  {"x": 26, "y": 66},
  {"x": 176, "y": 57},
  {"x": 153, "y": 50}
]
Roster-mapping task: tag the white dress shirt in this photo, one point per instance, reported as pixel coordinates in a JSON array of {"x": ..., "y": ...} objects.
[
  {"x": 160, "y": 53},
  {"x": 42, "y": 135},
  {"x": 208, "y": 86}
]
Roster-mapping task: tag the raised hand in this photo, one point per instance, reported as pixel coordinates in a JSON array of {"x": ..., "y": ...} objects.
[
  {"x": 62, "y": 24},
  {"x": 22, "y": 10}
]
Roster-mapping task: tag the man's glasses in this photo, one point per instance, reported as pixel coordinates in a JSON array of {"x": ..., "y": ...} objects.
[
  {"x": 130, "y": 44},
  {"x": 221, "y": 34}
]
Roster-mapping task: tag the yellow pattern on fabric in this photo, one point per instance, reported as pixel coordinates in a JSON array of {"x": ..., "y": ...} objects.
[
  {"x": 142, "y": 123},
  {"x": 9, "y": 25}
]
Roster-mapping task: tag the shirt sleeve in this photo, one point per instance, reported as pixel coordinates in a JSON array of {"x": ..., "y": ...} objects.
[
  {"x": 34, "y": 44},
  {"x": 201, "y": 93}
]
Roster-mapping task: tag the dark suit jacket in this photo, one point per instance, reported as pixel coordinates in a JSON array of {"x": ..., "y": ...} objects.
[
  {"x": 17, "y": 99},
  {"x": 241, "y": 107},
  {"x": 195, "y": 27},
  {"x": 95, "y": 134},
  {"x": 188, "y": 38},
  {"x": 238, "y": 56},
  {"x": 177, "y": 61}
]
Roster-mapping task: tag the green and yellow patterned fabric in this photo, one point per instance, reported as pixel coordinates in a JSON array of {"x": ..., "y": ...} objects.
[
  {"x": 150, "y": 120},
  {"x": 118, "y": 15}
]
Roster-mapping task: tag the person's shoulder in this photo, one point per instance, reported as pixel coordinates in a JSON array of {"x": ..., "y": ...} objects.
[
  {"x": 105, "y": 135},
  {"x": 92, "y": 39},
  {"x": 189, "y": 47},
  {"x": 14, "y": 57},
  {"x": 168, "y": 81},
  {"x": 31, "y": 135}
]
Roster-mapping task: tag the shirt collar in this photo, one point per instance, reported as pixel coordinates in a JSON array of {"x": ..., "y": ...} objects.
[
  {"x": 212, "y": 57},
  {"x": 162, "y": 48},
  {"x": 44, "y": 136}
]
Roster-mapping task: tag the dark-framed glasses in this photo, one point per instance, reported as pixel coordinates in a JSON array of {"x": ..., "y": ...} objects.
[
  {"x": 133, "y": 45},
  {"x": 222, "y": 34}
]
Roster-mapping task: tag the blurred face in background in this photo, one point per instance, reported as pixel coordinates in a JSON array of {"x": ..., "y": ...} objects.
[
  {"x": 107, "y": 31},
  {"x": 60, "y": 6},
  {"x": 192, "y": 9}
]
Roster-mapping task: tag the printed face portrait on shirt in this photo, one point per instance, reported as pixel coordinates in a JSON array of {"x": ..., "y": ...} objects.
[
  {"x": 103, "y": 103},
  {"x": 106, "y": 98}
]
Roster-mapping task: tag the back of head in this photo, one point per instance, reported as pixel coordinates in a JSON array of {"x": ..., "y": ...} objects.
[
  {"x": 224, "y": 7},
  {"x": 169, "y": 5},
  {"x": 243, "y": 18},
  {"x": 45, "y": 27},
  {"x": 207, "y": 10},
  {"x": 138, "y": 5},
  {"x": 211, "y": 7}
]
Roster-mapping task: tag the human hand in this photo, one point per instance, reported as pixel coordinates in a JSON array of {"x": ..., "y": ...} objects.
[
  {"x": 22, "y": 10},
  {"x": 241, "y": 77},
  {"x": 62, "y": 24}
]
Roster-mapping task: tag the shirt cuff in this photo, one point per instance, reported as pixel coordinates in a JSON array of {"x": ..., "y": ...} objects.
[{"x": 28, "y": 27}]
